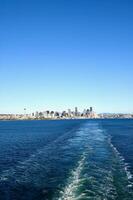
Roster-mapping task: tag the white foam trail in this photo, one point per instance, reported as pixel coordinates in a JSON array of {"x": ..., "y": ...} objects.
[
  {"x": 69, "y": 192},
  {"x": 126, "y": 165}
]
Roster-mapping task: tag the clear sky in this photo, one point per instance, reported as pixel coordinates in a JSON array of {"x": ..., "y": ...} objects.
[{"x": 58, "y": 54}]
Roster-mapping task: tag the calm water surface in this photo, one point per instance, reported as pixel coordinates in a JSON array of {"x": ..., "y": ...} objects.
[{"x": 66, "y": 160}]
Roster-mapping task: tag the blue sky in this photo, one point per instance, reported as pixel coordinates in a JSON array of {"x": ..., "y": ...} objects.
[{"x": 58, "y": 54}]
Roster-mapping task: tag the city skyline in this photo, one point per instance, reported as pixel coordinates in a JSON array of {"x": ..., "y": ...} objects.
[
  {"x": 75, "y": 113},
  {"x": 58, "y": 54},
  {"x": 75, "y": 110}
]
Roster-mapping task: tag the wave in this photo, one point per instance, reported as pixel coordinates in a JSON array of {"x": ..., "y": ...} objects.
[
  {"x": 91, "y": 179},
  {"x": 124, "y": 164},
  {"x": 33, "y": 160},
  {"x": 69, "y": 192},
  {"x": 84, "y": 161}
]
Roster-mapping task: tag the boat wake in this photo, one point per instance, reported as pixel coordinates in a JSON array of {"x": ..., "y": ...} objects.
[
  {"x": 70, "y": 191},
  {"x": 123, "y": 164},
  {"x": 100, "y": 173},
  {"x": 91, "y": 178},
  {"x": 79, "y": 165}
]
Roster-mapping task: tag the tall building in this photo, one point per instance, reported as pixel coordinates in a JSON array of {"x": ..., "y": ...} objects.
[
  {"x": 88, "y": 112},
  {"x": 37, "y": 114},
  {"x": 76, "y": 111},
  {"x": 52, "y": 114},
  {"x": 84, "y": 112},
  {"x": 25, "y": 112},
  {"x": 91, "y": 109},
  {"x": 69, "y": 113}
]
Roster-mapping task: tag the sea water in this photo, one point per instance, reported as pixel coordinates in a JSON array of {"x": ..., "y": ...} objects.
[{"x": 66, "y": 160}]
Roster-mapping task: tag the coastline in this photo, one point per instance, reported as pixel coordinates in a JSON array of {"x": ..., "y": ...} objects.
[{"x": 43, "y": 119}]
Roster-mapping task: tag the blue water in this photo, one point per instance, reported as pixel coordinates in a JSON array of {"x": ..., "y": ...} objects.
[{"x": 66, "y": 160}]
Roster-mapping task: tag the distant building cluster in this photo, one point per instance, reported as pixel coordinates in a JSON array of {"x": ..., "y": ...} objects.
[
  {"x": 69, "y": 114},
  {"x": 115, "y": 116},
  {"x": 87, "y": 113}
]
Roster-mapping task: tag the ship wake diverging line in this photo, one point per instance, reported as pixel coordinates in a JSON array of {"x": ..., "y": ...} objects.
[{"x": 69, "y": 192}]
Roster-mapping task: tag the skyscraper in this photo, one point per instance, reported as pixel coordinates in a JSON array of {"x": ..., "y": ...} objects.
[
  {"x": 91, "y": 109},
  {"x": 69, "y": 113},
  {"x": 76, "y": 111}
]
